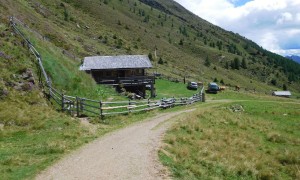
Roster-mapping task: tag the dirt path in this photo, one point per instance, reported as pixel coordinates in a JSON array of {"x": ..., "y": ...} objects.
[{"x": 130, "y": 153}]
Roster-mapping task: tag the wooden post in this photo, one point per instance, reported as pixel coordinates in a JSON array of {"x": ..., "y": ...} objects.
[
  {"x": 152, "y": 90},
  {"x": 50, "y": 92},
  {"x": 81, "y": 104},
  {"x": 11, "y": 19},
  {"x": 101, "y": 110},
  {"x": 129, "y": 108},
  {"x": 62, "y": 102},
  {"x": 203, "y": 97},
  {"x": 77, "y": 106}
]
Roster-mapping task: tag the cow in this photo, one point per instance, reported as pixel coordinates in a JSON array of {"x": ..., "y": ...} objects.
[{"x": 222, "y": 88}]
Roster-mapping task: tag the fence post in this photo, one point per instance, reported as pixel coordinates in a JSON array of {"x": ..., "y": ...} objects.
[
  {"x": 82, "y": 104},
  {"x": 77, "y": 106},
  {"x": 11, "y": 19},
  {"x": 203, "y": 97},
  {"x": 129, "y": 108},
  {"x": 101, "y": 110},
  {"x": 50, "y": 92},
  {"x": 62, "y": 102}
]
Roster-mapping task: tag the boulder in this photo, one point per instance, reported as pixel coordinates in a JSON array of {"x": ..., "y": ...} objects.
[
  {"x": 27, "y": 74},
  {"x": 24, "y": 86},
  {"x": 27, "y": 86},
  {"x": 3, "y": 93},
  {"x": 3, "y": 55},
  {"x": 236, "y": 108}
]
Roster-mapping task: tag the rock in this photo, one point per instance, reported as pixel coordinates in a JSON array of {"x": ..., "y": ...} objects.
[
  {"x": 79, "y": 39},
  {"x": 28, "y": 86},
  {"x": 2, "y": 54},
  {"x": 3, "y": 92},
  {"x": 31, "y": 80},
  {"x": 2, "y": 34},
  {"x": 24, "y": 86},
  {"x": 1, "y": 126},
  {"x": 18, "y": 86},
  {"x": 27, "y": 74},
  {"x": 236, "y": 108},
  {"x": 14, "y": 76},
  {"x": 10, "y": 84}
]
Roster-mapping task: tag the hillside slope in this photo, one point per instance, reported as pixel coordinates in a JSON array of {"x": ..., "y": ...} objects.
[
  {"x": 186, "y": 44},
  {"x": 294, "y": 58}
]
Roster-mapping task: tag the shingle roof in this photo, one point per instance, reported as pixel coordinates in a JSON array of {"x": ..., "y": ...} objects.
[
  {"x": 116, "y": 62},
  {"x": 282, "y": 93}
]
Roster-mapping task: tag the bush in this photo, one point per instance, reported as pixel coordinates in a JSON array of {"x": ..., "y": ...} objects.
[{"x": 160, "y": 61}]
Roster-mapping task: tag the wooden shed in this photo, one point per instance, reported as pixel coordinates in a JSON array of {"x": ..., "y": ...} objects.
[{"x": 128, "y": 70}]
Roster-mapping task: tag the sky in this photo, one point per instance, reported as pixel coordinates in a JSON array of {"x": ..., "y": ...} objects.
[{"x": 272, "y": 24}]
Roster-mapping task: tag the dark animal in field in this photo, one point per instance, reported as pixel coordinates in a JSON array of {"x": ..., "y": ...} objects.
[{"x": 222, "y": 88}]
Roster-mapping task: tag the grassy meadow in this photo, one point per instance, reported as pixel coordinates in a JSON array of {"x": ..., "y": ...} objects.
[
  {"x": 33, "y": 135},
  {"x": 168, "y": 89},
  {"x": 41, "y": 136},
  {"x": 214, "y": 142}
]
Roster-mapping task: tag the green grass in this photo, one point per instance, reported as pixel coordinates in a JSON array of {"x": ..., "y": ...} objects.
[
  {"x": 168, "y": 89},
  {"x": 33, "y": 135},
  {"x": 36, "y": 136},
  {"x": 260, "y": 143}
]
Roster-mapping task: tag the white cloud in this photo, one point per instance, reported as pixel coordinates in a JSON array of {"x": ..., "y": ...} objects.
[
  {"x": 285, "y": 17},
  {"x": 288, "y": 52},
  {"x": 298, "y": 17},
  {"x": 273, "y": 24},
  {"x": 269, "y": 41}
]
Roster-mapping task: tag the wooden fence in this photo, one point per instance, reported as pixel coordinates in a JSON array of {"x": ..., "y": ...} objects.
[{"x": 83, "y": 106}]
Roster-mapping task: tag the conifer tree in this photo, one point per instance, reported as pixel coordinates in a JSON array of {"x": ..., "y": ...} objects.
[{"x": 207, "y": 62}]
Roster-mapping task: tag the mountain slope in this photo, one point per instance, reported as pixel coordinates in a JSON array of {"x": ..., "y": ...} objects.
[
  {"x": 294, "y": 58},
  {"x": 183, "y": 41}
]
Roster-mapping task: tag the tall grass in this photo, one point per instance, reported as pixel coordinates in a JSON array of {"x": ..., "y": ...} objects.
[{"x": 217, "y": 143}]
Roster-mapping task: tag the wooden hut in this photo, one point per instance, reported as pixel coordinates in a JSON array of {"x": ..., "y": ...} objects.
[{"x": 128, "y": 70}]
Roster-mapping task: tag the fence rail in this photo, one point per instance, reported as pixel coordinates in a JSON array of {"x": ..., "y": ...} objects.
[{"x": 84, "y": 106}]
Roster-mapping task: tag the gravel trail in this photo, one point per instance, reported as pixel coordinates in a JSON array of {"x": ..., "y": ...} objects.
[{"x": 129, "y": 153}]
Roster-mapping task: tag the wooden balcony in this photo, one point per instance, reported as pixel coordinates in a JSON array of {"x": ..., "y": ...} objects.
[{"x": 127, "y": 81}]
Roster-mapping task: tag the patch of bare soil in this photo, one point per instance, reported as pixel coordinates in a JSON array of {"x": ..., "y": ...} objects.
[{"x": 129, "y": 153}]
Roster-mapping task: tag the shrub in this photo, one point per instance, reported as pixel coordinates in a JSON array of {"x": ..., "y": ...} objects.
[{"x": 160, "y": 61}]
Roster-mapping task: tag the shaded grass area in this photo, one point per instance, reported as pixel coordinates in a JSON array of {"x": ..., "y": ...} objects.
[{"x": 262, "y": 142}]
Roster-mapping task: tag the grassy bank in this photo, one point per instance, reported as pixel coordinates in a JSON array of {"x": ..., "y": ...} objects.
[
  {"x": 34, "y": 135},
  {"x": 261, "y": 142},
  {"x": 25, "y": 150}
]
